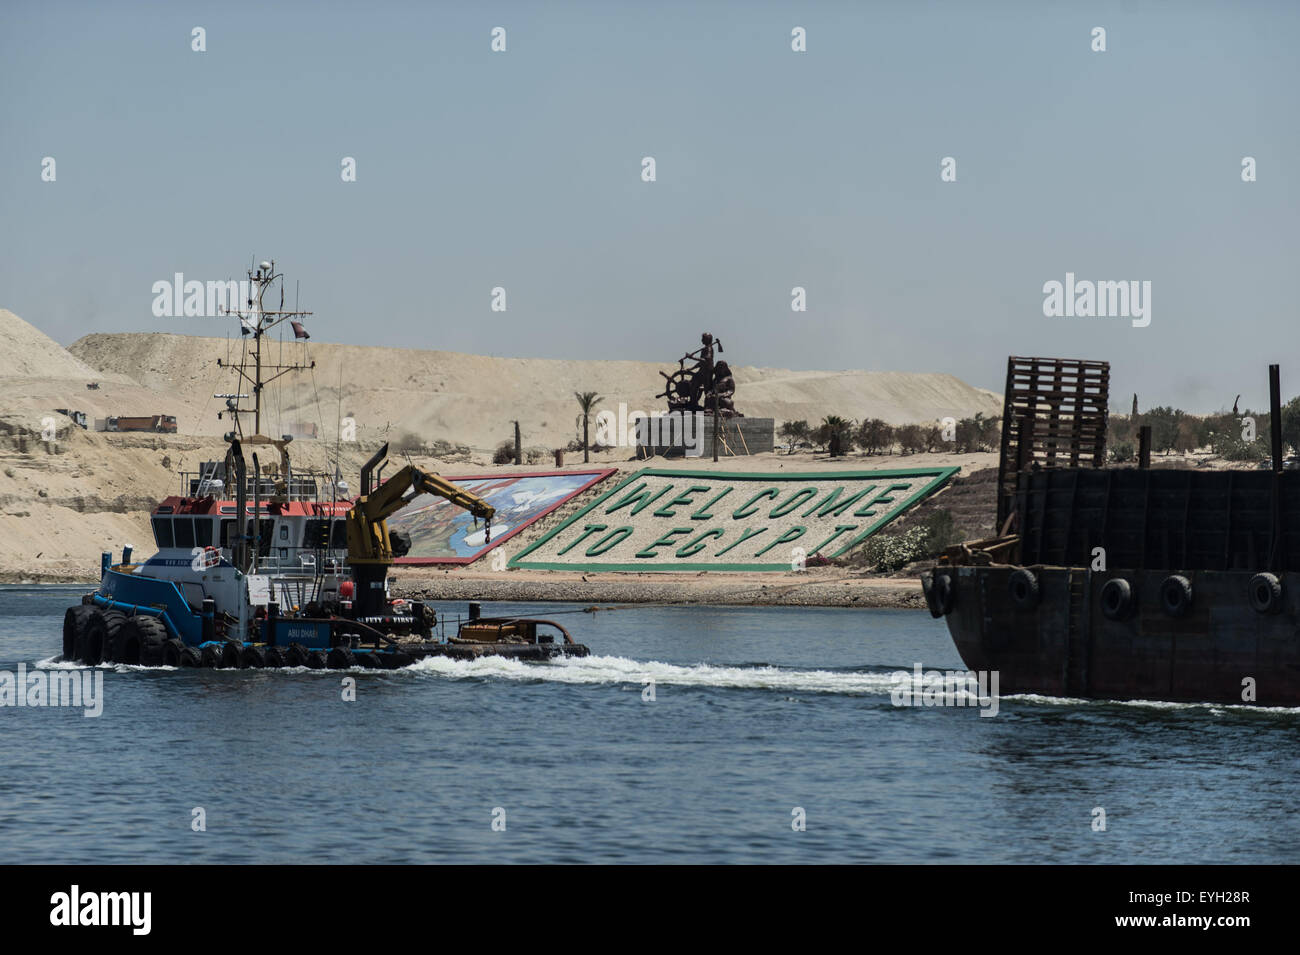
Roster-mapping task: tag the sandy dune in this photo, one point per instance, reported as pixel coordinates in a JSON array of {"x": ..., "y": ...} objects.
[{"x": 474, "y": 399}]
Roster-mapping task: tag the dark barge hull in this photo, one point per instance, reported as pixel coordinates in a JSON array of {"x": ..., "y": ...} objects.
[{"x": 1063, "y": 644}]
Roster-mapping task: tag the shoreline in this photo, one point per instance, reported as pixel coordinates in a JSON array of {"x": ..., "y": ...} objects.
[{"x": 818, "y": 587}]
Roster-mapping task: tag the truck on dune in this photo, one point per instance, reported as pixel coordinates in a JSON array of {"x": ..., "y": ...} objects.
[{"x": 159, "y": 423}]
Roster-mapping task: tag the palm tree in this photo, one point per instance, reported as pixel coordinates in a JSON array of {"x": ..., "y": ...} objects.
[
  {"x": 834, "y": 429},
  {"x": 587, "y": 400}
]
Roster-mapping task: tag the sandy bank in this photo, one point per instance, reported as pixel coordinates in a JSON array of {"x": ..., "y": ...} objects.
[{"x": 816, "y": 587}]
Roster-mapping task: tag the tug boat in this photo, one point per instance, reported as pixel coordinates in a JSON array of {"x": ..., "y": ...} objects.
[{"x": 295, "y": 577}]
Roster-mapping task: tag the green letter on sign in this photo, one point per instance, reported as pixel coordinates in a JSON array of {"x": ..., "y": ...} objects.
[
  {"x": 616, "y": 536},
  {"x": 747, "y": 507},
  {"x": 638, "y": 498},
  {"x": 586, "y": 532},
  {"x": 683, "y": 498},
  {"x": 665, "y": 541},
  {"x": 793, "y": 534},
  {"x": 696, "y": 544},
  {"x": 795, "y": 500}
]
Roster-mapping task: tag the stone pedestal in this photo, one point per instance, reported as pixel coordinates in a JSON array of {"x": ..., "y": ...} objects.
[{"x": 694, "y": 439}]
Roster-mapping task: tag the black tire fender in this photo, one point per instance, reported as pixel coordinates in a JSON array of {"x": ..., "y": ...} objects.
[
  {"x": 230, "y": 653},
  {"x": 90, "y": 646},
  {"x": 341, "y": 658},
  {"x": 117, "y": 647},
  {"x": 1265, "y": 593},
  {"x": 150, "y": 634},
  {"x": 172, "y": 651},
  {"x": 1176, "y": 595},
  {"x": 940, "y": 593},
  {"x": 396, "y": 659},
  {"x": 74, "y": 627},
  {"x": 1116, "y": 599},
  {"x": 252, "y": 658},
  {"x": 1023, "y": 588}
]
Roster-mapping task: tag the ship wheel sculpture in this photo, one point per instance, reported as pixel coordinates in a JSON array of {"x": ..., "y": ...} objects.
[{"x": 704, "y": 384}]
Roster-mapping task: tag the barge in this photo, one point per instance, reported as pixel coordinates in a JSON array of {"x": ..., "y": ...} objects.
[{"x": 1106, "y": 582}]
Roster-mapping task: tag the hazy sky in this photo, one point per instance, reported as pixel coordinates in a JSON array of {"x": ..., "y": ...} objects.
[{"x": 775, "y": 169}]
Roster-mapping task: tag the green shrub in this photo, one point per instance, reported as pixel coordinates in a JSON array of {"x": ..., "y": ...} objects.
[{"x": 889, "y": 552}]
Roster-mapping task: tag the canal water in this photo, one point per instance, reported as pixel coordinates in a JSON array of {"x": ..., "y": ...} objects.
[{"x": 690, "y": 735}]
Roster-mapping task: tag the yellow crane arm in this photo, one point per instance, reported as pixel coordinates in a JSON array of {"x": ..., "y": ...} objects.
[{"x": 368, "y": 539}]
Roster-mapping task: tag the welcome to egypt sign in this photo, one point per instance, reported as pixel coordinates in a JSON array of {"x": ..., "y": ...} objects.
[{"x": 709, "y": 520}]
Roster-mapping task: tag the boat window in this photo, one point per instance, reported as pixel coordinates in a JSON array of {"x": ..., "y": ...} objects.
[
  {"x": 203, "y": 531},
  {"x": 184, "y": 531},
  {"x": 227, "y": 534},
  {"x": 194, "y": 595},
  {"x": 284, "y": 531},
  {"x": 162, "y": 531},
  {"x": 318, "y": 532}
]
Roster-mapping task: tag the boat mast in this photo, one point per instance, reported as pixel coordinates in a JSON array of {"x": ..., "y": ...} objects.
[{"x": 257, "y": 321}]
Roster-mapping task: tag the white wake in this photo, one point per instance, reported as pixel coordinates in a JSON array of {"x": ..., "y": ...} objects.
[{"x": 603, "y": 669}]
